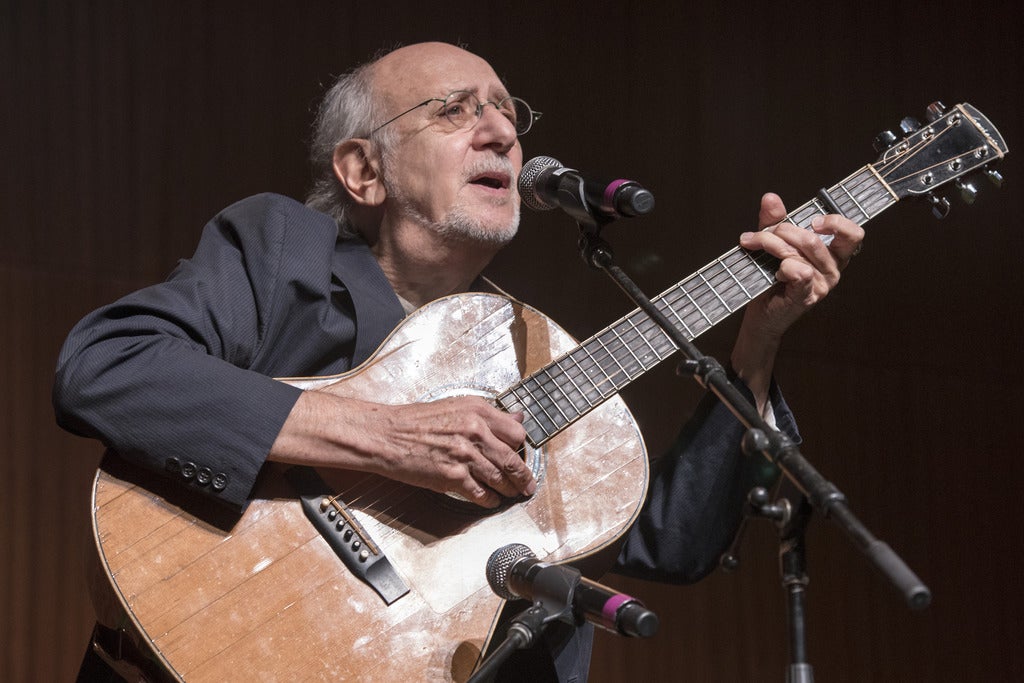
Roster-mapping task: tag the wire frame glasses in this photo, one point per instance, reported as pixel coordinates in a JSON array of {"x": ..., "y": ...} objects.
[{"x": 463, "y": 109}]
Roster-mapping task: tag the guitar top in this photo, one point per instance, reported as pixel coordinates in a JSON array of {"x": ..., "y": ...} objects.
[{"x": 348, "y": 576}]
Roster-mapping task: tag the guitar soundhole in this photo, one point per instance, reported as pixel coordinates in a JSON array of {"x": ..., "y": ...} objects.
[{"x": 532, "y": 456}]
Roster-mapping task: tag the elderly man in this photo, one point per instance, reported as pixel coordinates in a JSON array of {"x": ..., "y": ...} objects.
[{"x": 416, "y": 156}]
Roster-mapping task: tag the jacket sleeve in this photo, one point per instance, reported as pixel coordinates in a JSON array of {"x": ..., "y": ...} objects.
[
  {"x": 161, "y": 376},
  {"x": 697, "y": 492}
]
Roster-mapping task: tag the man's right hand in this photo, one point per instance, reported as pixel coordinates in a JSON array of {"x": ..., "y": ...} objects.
[{"x": 462, "y": 445}]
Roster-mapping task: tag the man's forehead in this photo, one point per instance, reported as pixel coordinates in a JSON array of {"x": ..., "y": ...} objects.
[{"x": 434, "y": 69}]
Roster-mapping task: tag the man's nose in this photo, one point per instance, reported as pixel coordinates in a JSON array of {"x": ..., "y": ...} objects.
[{"x": 495, "y": 129}]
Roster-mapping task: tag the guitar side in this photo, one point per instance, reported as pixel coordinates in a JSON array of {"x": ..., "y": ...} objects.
[{"x": 267, "y": 598}]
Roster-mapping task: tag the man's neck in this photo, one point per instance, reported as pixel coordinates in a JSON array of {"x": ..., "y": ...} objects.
[{"x": 424, "y": 267}]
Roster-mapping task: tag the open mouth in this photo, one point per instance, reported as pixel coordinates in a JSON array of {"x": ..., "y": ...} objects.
[{"x": 495, "y": 181}]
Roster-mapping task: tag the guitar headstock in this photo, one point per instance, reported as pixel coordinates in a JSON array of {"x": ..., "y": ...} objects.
[{"x": 954, "y": 146}]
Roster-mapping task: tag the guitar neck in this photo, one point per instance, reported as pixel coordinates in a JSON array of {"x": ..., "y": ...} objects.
[{"x": 567, "y": 389}]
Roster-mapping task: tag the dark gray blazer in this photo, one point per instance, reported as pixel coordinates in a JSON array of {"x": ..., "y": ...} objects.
[{"x": 177, "y": 378}]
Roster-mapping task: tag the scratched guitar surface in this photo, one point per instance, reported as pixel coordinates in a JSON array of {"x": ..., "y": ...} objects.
[{"x": 269, "y": 599}]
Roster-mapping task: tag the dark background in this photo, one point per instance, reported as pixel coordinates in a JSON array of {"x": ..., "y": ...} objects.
[{"x": 127, "y": 125}]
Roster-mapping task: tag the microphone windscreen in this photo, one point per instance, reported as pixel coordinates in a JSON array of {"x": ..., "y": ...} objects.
[
  {"x": 528, "y": 181},
  {"x": 499, "y": 565}
]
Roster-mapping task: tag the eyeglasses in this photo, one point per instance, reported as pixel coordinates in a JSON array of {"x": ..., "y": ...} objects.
[{"x": 463, "y": 109}]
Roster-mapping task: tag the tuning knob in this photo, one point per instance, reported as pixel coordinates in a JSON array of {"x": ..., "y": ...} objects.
[
  {"x": 935, "y": 111},
  {"x": 909, "y": 124},
  {"x": 884, "y": 141},
  {"x": 968, "y": 190},
  {"x": 940, "y": 205},
  {"x": 994, "y": 176}
]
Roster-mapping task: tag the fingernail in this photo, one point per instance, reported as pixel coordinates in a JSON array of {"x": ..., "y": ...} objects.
[
  {"x": 817, "y": 221},
  {"x": 746, "y": 236}
]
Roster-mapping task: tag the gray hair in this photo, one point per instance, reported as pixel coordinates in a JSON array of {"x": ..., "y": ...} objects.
[{"x": 346, "y": 111}]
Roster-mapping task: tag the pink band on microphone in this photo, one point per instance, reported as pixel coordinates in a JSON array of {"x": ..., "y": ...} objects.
[
  {"x": 611, "y": 608},
  {"x": 609, "y": 192}
]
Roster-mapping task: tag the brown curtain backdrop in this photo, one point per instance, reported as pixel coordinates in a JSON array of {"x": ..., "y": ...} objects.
[{"x": 126, "y": 125}]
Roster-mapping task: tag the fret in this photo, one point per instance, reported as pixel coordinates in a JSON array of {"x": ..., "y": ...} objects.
[
  {"x": 854, "y": 200},
  {"x": 552, "y": 393},
  {"x": 867, "y": 190},
  {"x": 872, "y": 195},
  {"x": 606, "y": 378},
  {"x": 655, "y": 344},
  {"x": 883, "y": 194},
  {"x": 713, "y": 290},
  {"x": 873, "y": 175},
  {"x": 657, "y": 340},
  {"x": 670, "y": 311},
  {"x": 628, "y": 368},
  {"x": 818, "y": 207},
  {"x": 697, "y": 306},
  {"x": 635, "y": 332},
  {"x": 754, "y": 277},
  {"x": 768, "y": 275},
  {"x": 743, "y": 298},
  {"x": 828, "y": 201},
  {"x": 803, "y": 215},
  {"x": 584, "y": 350},
  {"x": 615, "y": 359},
  {"x": 576, "y": 388},
  {"x": 547, "y": 424},
  {"x": 571, "y": 386}
]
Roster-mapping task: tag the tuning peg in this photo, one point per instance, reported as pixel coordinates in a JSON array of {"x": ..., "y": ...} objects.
[
  {"x": 909, "y": 124},
  {"x": 940, "y": 205},
  {"x": 994, "y": 176},
  {"x": 968, "y": 190},
  {"x": 935, "y": 111},
  {"x": 884, "y": 141}
]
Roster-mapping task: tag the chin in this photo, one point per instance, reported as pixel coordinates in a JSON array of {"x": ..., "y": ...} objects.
[{"x": 497, "y": 232}]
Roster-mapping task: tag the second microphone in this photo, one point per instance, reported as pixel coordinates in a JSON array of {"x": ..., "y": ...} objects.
[{"x": 513, "y": 571}]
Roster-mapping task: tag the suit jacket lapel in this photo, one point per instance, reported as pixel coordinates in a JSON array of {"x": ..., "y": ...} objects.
[{"x": 377, "y": 309}]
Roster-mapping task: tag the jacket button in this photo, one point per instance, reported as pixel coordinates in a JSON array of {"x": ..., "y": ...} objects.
[
  {"x": 220, "y": 481},
  {"x": 172, "y": 465},
  {"x": 188, "y": 471},
  {"x": 203, "y": 476}
]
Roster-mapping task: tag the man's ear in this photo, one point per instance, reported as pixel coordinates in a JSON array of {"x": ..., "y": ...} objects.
[{"x": 357, "y": 168}]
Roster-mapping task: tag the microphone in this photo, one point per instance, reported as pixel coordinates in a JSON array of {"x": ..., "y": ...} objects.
[
  {"x": 513, "y": 571},
  {"x": 544, "y": 183}
]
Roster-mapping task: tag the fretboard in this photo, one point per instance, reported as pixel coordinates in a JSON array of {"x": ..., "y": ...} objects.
[{"x": 568, "y": 388}]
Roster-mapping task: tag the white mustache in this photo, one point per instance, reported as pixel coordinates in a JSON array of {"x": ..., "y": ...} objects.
[{"x": 502, "y": 165}]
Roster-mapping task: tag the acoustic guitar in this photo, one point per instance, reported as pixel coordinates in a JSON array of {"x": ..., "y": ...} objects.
[{"x": 337, "y": 575}]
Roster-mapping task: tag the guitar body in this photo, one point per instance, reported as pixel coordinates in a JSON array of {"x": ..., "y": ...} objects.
[{"x": 267, "y": 598}]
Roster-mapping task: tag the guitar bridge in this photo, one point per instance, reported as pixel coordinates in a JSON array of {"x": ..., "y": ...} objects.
[{"x": 346, "y": 535}]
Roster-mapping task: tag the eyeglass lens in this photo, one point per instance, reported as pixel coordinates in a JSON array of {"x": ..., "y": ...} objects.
[{"x": 463, "y": 109}]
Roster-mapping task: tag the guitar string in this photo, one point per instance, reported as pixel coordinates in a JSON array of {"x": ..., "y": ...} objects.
[
  {"x": 867, "y": 204},
  {"x": 724, "y": 269},
  {"x": 726, "y": 273}
]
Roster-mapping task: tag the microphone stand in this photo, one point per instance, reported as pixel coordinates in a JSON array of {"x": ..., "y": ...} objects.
[
  {"x": 791, "y": 520},
  {"x": 812, "y": 488},
  {"x": 523, "y": 631},
  {"x": 553, "y": 600}
]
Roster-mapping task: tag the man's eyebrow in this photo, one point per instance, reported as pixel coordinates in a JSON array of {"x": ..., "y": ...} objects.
[{"x": 501, "y": 93}]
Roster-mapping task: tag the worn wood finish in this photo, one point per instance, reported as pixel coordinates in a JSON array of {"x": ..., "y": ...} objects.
[{"x": 269, "y": 597}]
